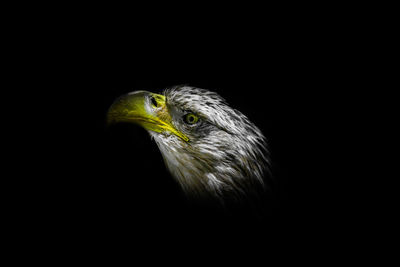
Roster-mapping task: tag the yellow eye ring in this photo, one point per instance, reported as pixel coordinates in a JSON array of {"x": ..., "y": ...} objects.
[{"x": 190, "y": 118}]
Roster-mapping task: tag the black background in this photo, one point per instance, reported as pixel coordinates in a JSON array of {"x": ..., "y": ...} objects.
[
  {"x": 98, "y": 186},
  {"x": 115, "y": 177}
]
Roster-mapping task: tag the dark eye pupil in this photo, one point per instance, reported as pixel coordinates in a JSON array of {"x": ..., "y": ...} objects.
[
  {"x": 190, "y": 118},
  {"x": 154, "y": 102}
]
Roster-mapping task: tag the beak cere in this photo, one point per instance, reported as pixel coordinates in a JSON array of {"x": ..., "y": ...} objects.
[{"x": 138, "y": 107}]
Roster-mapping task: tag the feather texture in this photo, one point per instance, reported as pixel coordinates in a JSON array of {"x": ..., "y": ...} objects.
[{"x": 226, "y": 156}]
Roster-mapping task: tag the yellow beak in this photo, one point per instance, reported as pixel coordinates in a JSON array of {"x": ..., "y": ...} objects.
[{"x": 145, "y": 109}]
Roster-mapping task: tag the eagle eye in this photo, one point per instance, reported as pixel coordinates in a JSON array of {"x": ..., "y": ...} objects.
[{"x": 190, "y": 118}]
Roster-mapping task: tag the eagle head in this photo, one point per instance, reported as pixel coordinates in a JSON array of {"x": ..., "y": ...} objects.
[{"x": 212, "y": 150}]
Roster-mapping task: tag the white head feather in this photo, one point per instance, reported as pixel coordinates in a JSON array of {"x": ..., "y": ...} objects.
[{"x": 226, "y": 155}]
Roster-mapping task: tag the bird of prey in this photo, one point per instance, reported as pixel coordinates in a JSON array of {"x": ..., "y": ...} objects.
[{"x": 212, "y": 150}]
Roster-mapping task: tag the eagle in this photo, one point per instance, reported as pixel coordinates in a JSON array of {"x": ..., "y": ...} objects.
[{"x": 212, "y": 150}]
